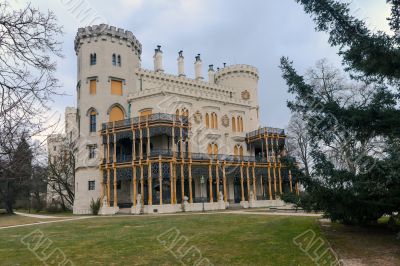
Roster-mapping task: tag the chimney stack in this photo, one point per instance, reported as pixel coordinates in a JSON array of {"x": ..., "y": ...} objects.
[
  {"x": 211, "y": 74},
  {"x": 158, "y": 67},
  {"x": 197, "y": 68},
  {"x": 181, "y": 64}
]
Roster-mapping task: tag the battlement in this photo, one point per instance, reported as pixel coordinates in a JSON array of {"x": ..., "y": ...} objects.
[
  {"x": 237, "y": 70},
  {"x": 96, "y": 31}
]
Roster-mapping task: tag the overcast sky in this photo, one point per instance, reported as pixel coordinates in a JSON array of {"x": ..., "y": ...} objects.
[{"x": 255, "y": 32}]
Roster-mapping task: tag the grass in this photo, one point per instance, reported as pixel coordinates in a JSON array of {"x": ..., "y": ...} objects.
[
  {"x": 368, "y": 245},
  {"x": 8, "y": 220},
  {"x": 224, "y": 239},
  {"x": 45, "y": 212}
]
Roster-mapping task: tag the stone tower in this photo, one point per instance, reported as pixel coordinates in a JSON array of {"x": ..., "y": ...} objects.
[{"x": 106, "y": 61}]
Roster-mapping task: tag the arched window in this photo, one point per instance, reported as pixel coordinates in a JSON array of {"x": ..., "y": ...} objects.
[
  {"x": 215, "y": 149},
  {"x": 239, "y": 124},
  {"x": 238, "y": 151},
  {"x": 207, "y": 120},
  {"x": 212, "y": 149},
  {"x": 241, "y": 152},
  {"x": 177, "y": 113},
  {"x": 116, "y": 114},
  {"x": 119, "y": 60},
  {"x": 114, "y": 60},
  {"x": 185, "y": 112},
  {"x": 92, "y": 123},
  {"x": 235, "y": 151},
  {"x": 233, "y": 124},
  {"x": 214, "y": 121}
]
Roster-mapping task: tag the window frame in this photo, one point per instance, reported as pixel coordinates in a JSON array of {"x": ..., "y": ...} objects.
[{"x": 91, "y": 185}]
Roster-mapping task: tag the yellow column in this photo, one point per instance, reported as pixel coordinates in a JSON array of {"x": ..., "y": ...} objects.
[
  {"x": 160, "y": 178},
  {"x": 108, "y": 186},
  {"x": 241, "y": 180},
  {"x": 280, "y": 178},
  {"x": 274, "y": 172},
  {"x": 148, "y": 139},
  {"x": 290, "y": 181},
  {"x": 210, "y": 181},
  {"x": 141, "y": 181},
  {"x": 182, "y": 165},
  {"x": 134, "y": 184},
  {"x": 254, "y": 181},
  {"x": 149, "y": 183},
  {"x": 217, "y": 179},
  {"x": 224, "y": 181},
  {"x": 266, "y": 147},
  {"x": 248, "y": 180},
  {"x": 115, "y": 171},
  {"x": 101, "y": 186},
  {"x": 175, "y": 198},
  {"x": 269, "y": 182},
  {"x": 171, "y": 180},
  {"x": 141, "y": 144},
  {"x": 190, "y": 182}
]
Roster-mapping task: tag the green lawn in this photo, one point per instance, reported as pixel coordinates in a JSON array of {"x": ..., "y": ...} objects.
[{"x": 224, "y": 239}]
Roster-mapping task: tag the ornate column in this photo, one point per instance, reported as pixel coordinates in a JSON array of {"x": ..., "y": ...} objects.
[
  {"x": 141, "y": 181},
  {"x": 210, "y": 180},
  {"x": 190, "y": 182},
  {"x": 160, "y": 176},
  {"x": 182, "y": 164},
  {"x": 148, "y": 139},
  {"x": 108, "y": 186},
  {"x": 290, "y": 181},
  {"x": 241, "y": 180},
  {"x": 217, "y": 179},
  {"x": 149, "y": 183},
  {"x": 171, "y": 181},
  {"x": 141, "y": 143},
  {"x": 254, "y": 181},
  {"x": 134, "y": 184},
  {"x": 175, "y": 198},
  {"x": 224, "y": 181},
  {"x": 115, "y": 169},
  {"x": 274, "y": 172},
  {"x": 280, "y": 177},
  {"x": 248, "y": 180},
  {"x": 269, "y": 182}
]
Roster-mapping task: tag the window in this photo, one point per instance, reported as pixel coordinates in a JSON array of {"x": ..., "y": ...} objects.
[
  {"x": 214, "y": 121},
  {"x": 238, "y": 151},
  {"x": 114, "y": 60},
  {"x": 54, "y": 148},
  {"x": 239, "y": 125},
  {"x": 116, "y": 87},
  {"x": 207, "y": 121},
  {"x": 233, "y": 124},
  {"x": 93, "y": 121},
  {"x": 91, "y": 185},
  {"x": 145, "y": 113},
  {"x": 119, "y": 60},
  {"x": 212, "y": 149},
  {"x": 119, "y": 184},
  {"x": 185, "y": 112},
  {"x": 116, "y": 114},
  {"x": 92, "y": 59},
  {"x": 92, "y": 151},
  {"x": 92, "y": 87}
]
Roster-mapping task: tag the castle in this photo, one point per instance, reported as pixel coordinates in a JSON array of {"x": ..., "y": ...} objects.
[{"x": 148, "y": 141}]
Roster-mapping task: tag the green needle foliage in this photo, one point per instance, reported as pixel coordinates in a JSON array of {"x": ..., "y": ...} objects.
[{"x": 355, "y": 140}]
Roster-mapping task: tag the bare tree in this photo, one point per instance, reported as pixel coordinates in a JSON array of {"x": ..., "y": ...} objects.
[
  {"x": 298, "y": 142},
  {"x": 61, "y": 175},
  {"x": 28, "y": 48}
]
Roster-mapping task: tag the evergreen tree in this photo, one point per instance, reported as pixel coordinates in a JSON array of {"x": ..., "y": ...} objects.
[{"x": 363, "y": 184}]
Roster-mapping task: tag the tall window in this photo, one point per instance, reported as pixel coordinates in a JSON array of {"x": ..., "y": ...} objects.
[
  {"x": 214, "y": 121},
  {"x": 116, "y": 87},
  {"x": 93, "y": 59},
  {"x": 207, "y": 120},
  {"x": 92, "y": 87},
  {"x": 93, "y": 121},
  {"x": 119, "y": 60},
  {"x": 212, "y": 149},
  {"x": 239, "y": 124},
  {"x": 238, "y": 151},
  {"x": 92, "y": 151},
  {"x": 185, "y": 112},
  {"x": 91, "y": 185},
  {"x": 233, "y": 124},
  {"x": 114, "y": 60}
]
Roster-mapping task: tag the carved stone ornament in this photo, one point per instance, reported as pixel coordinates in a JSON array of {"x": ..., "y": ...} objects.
[
  {"x": 225, "y": 121},
  {"x": 245, "y": 95},
  {"x": 198, "y": 117}
]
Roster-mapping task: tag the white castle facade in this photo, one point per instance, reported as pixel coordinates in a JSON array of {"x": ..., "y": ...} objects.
[{"x": 150, "y": 142}]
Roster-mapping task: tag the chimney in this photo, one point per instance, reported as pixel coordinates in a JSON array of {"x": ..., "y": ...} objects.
[
  {"x": 211, "y": 74},
  {"x": 197, "y": 68},
  {"x": 181, "y": 64},
  {"x": 158, "y": 59}
]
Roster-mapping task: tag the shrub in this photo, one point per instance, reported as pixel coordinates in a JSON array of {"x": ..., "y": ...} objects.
[{"x": 95, "y": 206}]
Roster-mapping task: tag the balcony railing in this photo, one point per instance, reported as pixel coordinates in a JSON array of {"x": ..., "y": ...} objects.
[
  {"x": 158, "y": 117},
  {"x": 265, "y": 130}
]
